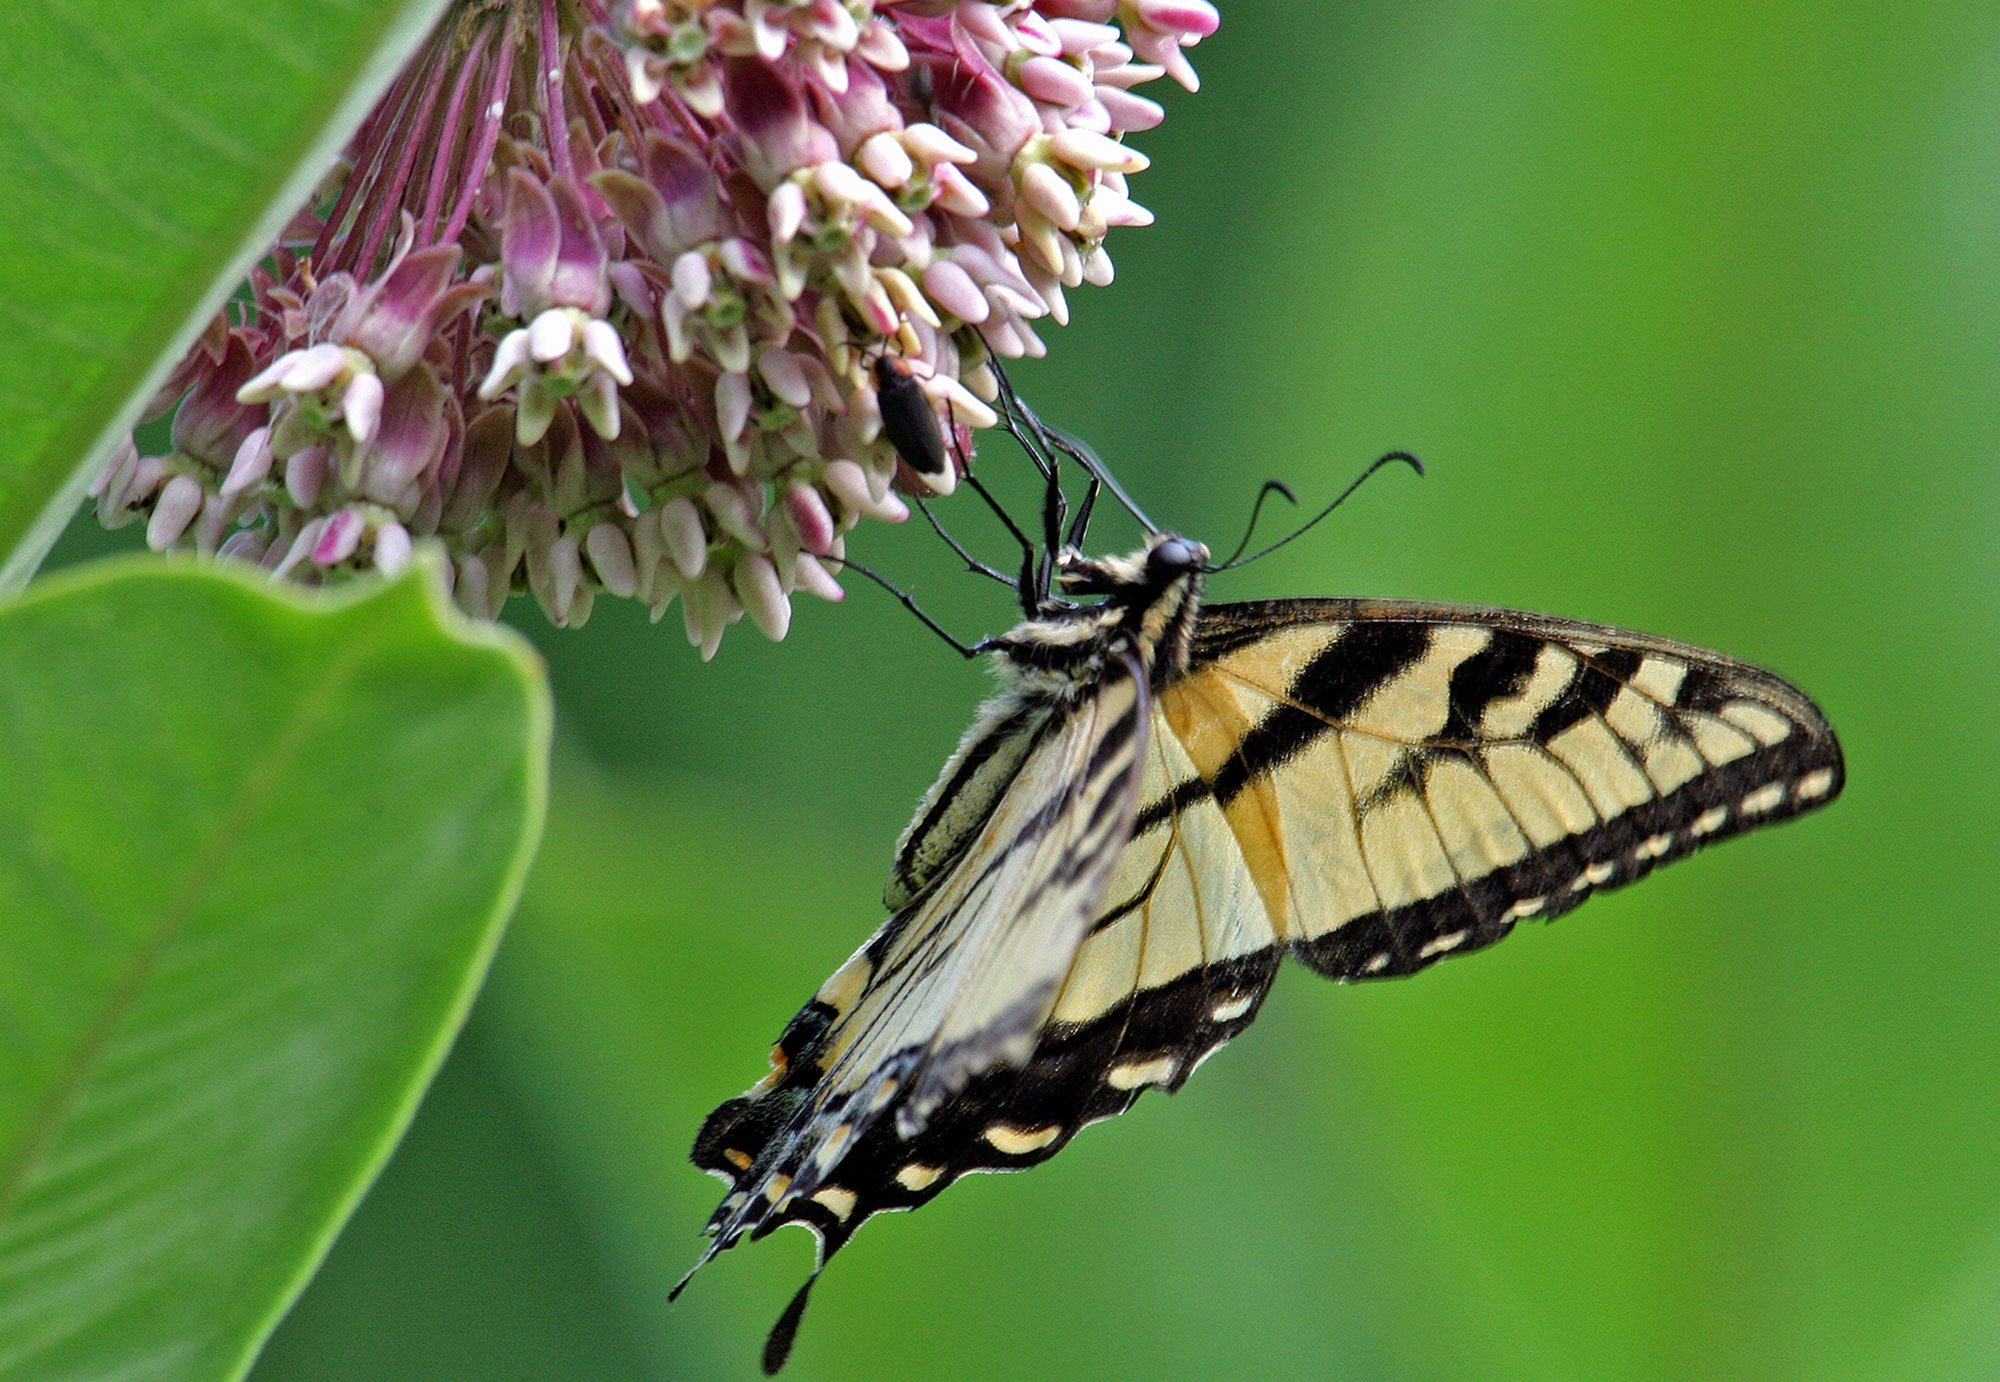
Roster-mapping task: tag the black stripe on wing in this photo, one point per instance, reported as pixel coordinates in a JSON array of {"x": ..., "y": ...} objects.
[
  {"x": 1554, "y": 880},
  {"x": 1356, "y": 662}
]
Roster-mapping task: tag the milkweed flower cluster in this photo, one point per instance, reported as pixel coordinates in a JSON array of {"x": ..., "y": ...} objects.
[{"x": 594, "y": 297}]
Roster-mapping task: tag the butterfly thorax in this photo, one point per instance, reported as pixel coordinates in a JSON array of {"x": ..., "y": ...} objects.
[{"x": 1047, "y": 665}]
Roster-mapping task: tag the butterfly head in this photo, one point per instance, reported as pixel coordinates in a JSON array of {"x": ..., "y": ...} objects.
[
  {"x": 1139, "y": 578},
  {"x": 1150, "y": 595}
]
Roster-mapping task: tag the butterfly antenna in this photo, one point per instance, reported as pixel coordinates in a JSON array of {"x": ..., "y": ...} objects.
[
  {"x": 1405, "y": 457},
  {"x": 1270, "y": 488},
  {"x": 909, "y": 602}
]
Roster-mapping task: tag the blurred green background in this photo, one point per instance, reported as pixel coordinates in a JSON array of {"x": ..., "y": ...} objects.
[{"x": 1694, "y": 311}]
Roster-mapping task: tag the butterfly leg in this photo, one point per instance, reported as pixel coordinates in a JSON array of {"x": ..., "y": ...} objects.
[
  {"x": 972, "y": 563},
  {"x": 909, "y": 602}
]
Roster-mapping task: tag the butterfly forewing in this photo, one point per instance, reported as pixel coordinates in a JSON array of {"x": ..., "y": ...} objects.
[
  {"x": 1375, "y": 786},
  {"x": 1433, "y": 774}
]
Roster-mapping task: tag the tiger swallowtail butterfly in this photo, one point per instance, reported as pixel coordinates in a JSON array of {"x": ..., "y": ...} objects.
[{"x": 1165, "y": 799}]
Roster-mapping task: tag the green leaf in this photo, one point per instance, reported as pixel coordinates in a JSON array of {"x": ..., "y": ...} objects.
[
  {"x": 255, "y": 854},
  {"x": 152, "y": 152}
]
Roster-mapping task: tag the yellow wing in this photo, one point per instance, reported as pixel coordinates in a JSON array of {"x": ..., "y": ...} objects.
[
  {"x": 1408, "y": 781},
  {"x": 1094, "y": 908},
  {"x": 957, "y": 983},
  {"x": 1369, "y": 786}
]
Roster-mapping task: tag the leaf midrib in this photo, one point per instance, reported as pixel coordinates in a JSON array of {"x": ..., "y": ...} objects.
[{"x": 257, "y": 785}]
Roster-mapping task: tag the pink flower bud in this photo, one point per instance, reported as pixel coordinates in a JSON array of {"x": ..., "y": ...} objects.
[
  {"x": 312, "y": 370},
  {"x": 755, "y": 582},
  {"x": 251, "y": 464},
  {"x": 565, "y": 579},
  {"x": 1186, "y": 20},
  {"x": 1079, "y": 36},
  {"x": 470, "y": 589},
  {"x": 1046, "y": 190},
  {"x": 787, "y": 379},
  {"x": 305, "y": 475},
  {"x": 511, "y": 361},
  {"x": 810, "y": 518},
  {"x": 1129, "y": 112},
  {"x": 736, "y": 513},
  {"x": 884, "y": 159},
  {"x": 611, "y": 558},
  {"x": 732, "y": 404},
  {"x": 848, "y": 483},
  {"x": 392, "y": 549},
  {"x": 932, "y": 145},
  {"x": 957, "y": 195},
  {"x": 687, "y": 541},
  {"x": 710, "y": 607},
  {"x": 605, "y": 348},
  {"x": 551, "y": 335},
  {"x": 1096, "y": 153},
  {"x": 951, "y": 288},
  {"x": 983, "y": 21},
  {"x": 361, "y": 406},
  {"x": 176, "y": 507},
  {"x": 1055, "y": 81},
  {"x": 597, "y": 400},
  {"x": 340, "y": 539},
  {"x": 814, "y": 580}
]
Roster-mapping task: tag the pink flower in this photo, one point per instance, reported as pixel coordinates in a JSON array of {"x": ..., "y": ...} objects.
[{"x": 595, "y": 300}]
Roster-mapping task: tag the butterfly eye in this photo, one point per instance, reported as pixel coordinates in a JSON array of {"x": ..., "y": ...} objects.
[{"x": 1171, "y": 558}]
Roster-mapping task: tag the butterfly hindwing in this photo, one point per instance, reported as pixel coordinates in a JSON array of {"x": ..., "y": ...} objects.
[{"x": 956, "y": 984}]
